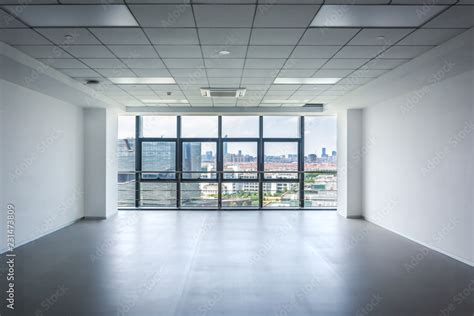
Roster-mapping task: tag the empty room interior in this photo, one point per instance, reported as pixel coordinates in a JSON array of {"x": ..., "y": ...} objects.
[{"x": 237, "y": 157}]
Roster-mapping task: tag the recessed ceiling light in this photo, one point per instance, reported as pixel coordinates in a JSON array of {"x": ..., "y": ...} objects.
[
  {"x": 164, "y": 101},
  {"x": 375, "y": 15},
  {"x": 148, "y": 80},
  {"x": 276, "y": 101},
  {"x": 224, "y": 52},
  {"x": 306, "y": 80},
  {"x": 73, "y": 15},
  {"x": 68, "y": 37},
  {"x": 92, "y": 81},
  {"x": 381, "y": 37}
]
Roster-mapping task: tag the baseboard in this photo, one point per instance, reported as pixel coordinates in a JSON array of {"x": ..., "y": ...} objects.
[
  {"x": 24, "y": 242},
  {"x": 463, "y": 260},
  {"x": 355, "y": 217}
]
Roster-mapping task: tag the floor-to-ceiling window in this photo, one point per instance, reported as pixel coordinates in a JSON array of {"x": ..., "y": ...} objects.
[{"x": 226, "y": 162}]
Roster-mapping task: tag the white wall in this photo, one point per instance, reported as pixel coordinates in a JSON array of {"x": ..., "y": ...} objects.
[
  {"x": 418, "y": 175},
  {"x": 41, "y": 159}
]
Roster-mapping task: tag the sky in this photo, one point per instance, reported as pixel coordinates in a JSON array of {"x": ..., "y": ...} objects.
[{"x": 320, "y": 131}]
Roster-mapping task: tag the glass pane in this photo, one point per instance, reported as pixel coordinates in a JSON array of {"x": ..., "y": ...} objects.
[
  {"x": 159, "y": 126},
  {"x": 240, "y": 194},
  {"x": 320, "y": 190},
  {"x": 281, "y": 126},
  {"x": 280, "y": 157},
  {"x": 199, "y": 126},
  {"x": 320, "y": 143},
  {"x": 280, "y": 194},
  {"x": 159, "y": 157},
  {"x": 196, "y": 194},
  {"x": 158, "y": 194},
  {"x": 126, "y": 143},
  {"x": 240, "y": 158},
  {"x": 199, "y": 157},
  {"x": 126, "y": 189},
  {"x": 240, "y": 126}
]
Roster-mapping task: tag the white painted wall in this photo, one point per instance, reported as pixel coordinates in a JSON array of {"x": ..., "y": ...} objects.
[
  {"x": 418, "y": 174},
  {"x": 41, "y": 159}
]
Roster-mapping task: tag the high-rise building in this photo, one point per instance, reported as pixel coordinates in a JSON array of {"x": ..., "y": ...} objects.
[
  {"x": 323, "y": 153},
  {"x": 225, "y": 147}
]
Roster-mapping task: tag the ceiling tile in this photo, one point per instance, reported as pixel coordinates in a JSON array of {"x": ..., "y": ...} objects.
[
  {"x": 373, "y": 36},
  {"x": 224, "y": 15},
  {"x": 379, "y": 63},
  {"x": 69, "y": 36},
  {"x": 188, "y": 72},
  {"x": 314, "y": 51},
  {"x": 455, "y": 17},
  {"x": 360, "y": 51},
  {"x": 264, "y": 63},
  {"x": 89, "y": 51},
  {"x": 267, "y": 2},
  {"x": 79, "y": 72},
  {"x": 184, "y": 62},
  {"x": 332, "y": 73},
  {"x": 224, "y": 36},
  {"x": 405, "y": 51},
  {"x": 157, "y": 72},
  {"x": 296, "y": 73},
  {"x": 117, "y": 72},
  {"x": 357, "y": 1},
  {"x": 179, "y": 51},
  {"x": 59, "y": 63},
  {"x": 368, "y": 73},
  {"x": 224, "y": 63},
  {"x": 174, "y": 36},
  {"x": 284, "y": 15},
  {"x": 355, "y": 80},
  {"x": 235, "y": 51},
  {"x": 133, "y": 51},
  {"x": 276, "y": 36},
  {"x": 91, "y": 2},
  {"x": 260, "y": 72},
  {"x": 305, "y": 63},
  {"x": 269, "y": 51},
  {"x": 143, "y": 63},
  {"x": 220, "y": 73},
  {"x": 122, "y": 35},
  {"x": 229, "y": 81},
  {"x": 179, "y": 15},
  {"x": 328, "y": 36},
  {"x": 345, "y": 63},
  {"x": 7, "y": 20},
  {"x": 104, "y": 63},
  {"x": 44, "y": 51},
  {"x": 21, "y": 37},
  {"x": 430, "y": 36},
  {"x": 423, "y": 2}
]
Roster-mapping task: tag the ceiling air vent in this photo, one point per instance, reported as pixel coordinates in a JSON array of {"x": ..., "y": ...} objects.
[
  {"x": 318, "y": 106},
  {"x": 223, "y": 92}
]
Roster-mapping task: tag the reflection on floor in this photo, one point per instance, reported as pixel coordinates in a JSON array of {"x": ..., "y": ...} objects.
[{"x": 235, "y": 263}]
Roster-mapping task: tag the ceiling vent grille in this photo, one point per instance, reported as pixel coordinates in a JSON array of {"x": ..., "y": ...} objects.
[{"x": 223, "y": 92}]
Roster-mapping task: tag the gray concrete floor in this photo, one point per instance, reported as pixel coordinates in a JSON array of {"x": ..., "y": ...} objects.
[{"x": 235, "y": 263}]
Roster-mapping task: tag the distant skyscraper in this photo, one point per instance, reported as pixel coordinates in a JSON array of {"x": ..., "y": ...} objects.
[
  {"x": 225, "y": 147},
  {"x": 333, "y": 153},
  {"x": 323, "y": 153},
  {"x": 192, "y": 159}
]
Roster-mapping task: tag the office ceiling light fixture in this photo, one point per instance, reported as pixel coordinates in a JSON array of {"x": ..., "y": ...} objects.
[
  {"x": 375, "y": 15},
  {"x": 142, "y": 80},
  {"x": 165, "y": 101},
  {"x": 276, "y": 101},
  {"x": 73, "y": 15},
  {"x": 224, "y": 52},
  {"x": 223, "y": 92},
  {"x": 306, "y": 80}
]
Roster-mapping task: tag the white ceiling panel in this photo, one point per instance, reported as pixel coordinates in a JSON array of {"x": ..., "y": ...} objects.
[
  {"x": 213, "y": 51},
  {"x": 21, "y": 37},
  {"x": 116, "y": 72},
  {"x": 179, "y": 51},
  {"x": 264, "y": 63},
  {"x": 304, "y": 63},
  {"x": 357, "y": 2},
  {"x": 368, "y": 73},
  {"x": 79, "y": 72},
  {"x": 224, "y": 15},
  {"x": 276, "y": 36},
  {"x": 157, "y": 72},
  {"x": 174, "y": 36},
  {"x": 224, "y": 36},
  {"x": 328, "y": 36},
  {"x": 355, "y": 80},
  {"x": 44, "y": 51},
  {"x": 380, "y": 63},
  {"x": 63, "y": 63},
  {"x": 423, "y": 2},
  {"x": 332, "y": 73},
  {"x": 360, "y": 51},
  {"x": 260, "y": 73},
  {"x": 352, "y": 63},
  {"x": 430, "y": 36},
  {"x": 379, "y": 36},
  {"x": 133, "y": 51},
  {"x": 125, "y": 36},
  {"x": 104, "y": 63},
  {"x": 405, "y": 51},
  {"x": 192, "y": 72},
  {"x": 296, "y": 73},
  {"x": 166, "y": 15},
  {"x": 7, "y": 20},
  {"x": 143, "y": 62},
  {"x": 223, "y": 63},
  {"x": 184, "y": 62},
  {"x": 314, "y": 51},
  {"x": 89, "y": 51},
  {"x": 290, "y": 1},
  {"x": 455, "y": 17},
  {"x": 91, "y": 2},
  {"x": 227, "y": 81},
  {"x": 284, "y": 15},
  {"x": 69, "y": 36},
  {"x": 269, "y": 51}
]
